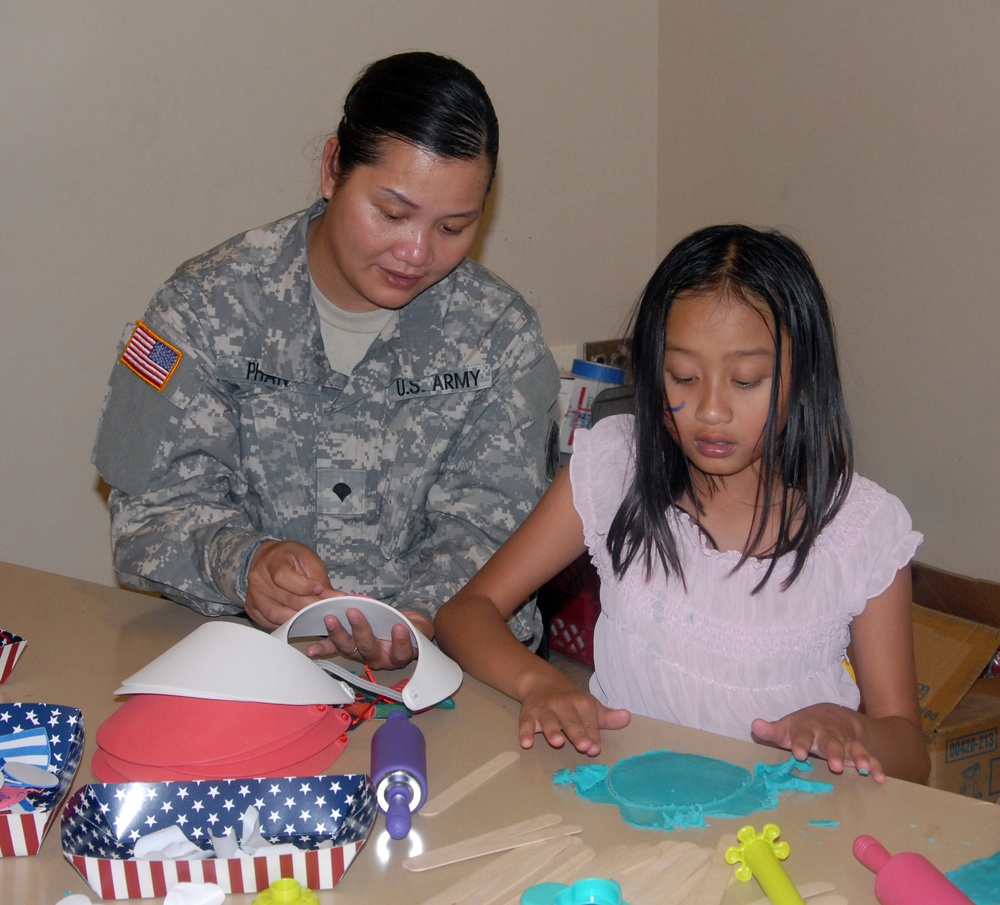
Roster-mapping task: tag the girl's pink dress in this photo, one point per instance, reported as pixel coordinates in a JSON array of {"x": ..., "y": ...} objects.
[{"x": 712, "y": 655}]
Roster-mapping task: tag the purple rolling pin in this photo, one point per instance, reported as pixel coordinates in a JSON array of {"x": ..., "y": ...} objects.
[
  {"x": 906, "y": 878},
  {"x": 399, "y": 771}
]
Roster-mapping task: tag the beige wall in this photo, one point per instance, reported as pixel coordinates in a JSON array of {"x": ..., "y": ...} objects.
[
  {"x": 137, "y": 133},
  {"x": 870, "y": 131}
]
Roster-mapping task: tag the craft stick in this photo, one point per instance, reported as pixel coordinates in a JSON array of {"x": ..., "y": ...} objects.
[
  {"x": 530, "y": 872},
  {"x": 676, "y": 861},
  {"x": 614, "y": 861},
  {"x": 477, "y": 847},
  {"x": 719, "y": 874},
  {"x": 534, "y": 861},
  {"x": 687, "y": 892},
  {"x": 639, "y": 859},
  {"x": 567, "y": 870},
  {"x": 829, "y": 899},
  {"x": 447, "y": 797},
  {"x": 667, "y": 873},
  {"x": 515, "y": 829},
  {"x": 806, "y": 890},
  {"x": 508, "y": 861}
]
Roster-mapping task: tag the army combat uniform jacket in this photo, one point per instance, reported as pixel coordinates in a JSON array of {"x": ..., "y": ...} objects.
[{"x": 224, "y": 426}]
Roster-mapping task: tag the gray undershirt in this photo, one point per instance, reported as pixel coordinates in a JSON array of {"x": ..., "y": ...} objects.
[{"x": 347, "y": 335}]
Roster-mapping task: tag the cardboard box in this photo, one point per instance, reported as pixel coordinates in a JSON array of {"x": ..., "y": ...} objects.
[{"x": 956, "y": 631}]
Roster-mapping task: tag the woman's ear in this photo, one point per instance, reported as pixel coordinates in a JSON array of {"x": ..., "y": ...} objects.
[{"x": 330, "y": 169}]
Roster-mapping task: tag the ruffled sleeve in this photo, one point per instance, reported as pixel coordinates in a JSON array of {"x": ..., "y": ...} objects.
[
  {"x": 876, "y": 532},
  {"x": 600, "y": 470},
  {"x": 895, "y": 541}
]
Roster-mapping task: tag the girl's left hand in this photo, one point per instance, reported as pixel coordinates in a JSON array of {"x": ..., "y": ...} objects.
[{"x": 835, "y": 733}]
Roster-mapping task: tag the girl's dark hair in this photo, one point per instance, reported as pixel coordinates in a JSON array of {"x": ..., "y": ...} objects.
[
  {"x": 807, "y": 468},
  {"x": 424, "y": 99}
]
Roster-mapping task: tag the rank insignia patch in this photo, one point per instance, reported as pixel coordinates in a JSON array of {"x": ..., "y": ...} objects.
[{"x": 153, "y": 359}]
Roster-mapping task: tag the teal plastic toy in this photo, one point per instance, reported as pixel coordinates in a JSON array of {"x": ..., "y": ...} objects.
[{"x": 592, "y": 891}]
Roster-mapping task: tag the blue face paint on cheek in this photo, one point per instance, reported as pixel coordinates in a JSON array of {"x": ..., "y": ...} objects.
[{"x": 676, "y": 408}]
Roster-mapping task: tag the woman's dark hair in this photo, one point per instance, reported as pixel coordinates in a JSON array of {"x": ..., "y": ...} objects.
[
  {"x": 806, "y": 469},
  {"x": 424, "y": 99}
]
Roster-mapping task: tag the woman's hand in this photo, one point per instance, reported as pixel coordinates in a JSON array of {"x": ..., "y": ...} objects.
[
  {"x": 835, "y": 733},
  {"x": 285, "y": 576},
  {"x": 357, "y": 641},
  {"x": 562, "y": 711}
]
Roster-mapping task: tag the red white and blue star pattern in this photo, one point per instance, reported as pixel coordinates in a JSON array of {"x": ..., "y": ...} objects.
[
  {"x": 102, "y": 821},
  {"x": 22, "y": 833}
]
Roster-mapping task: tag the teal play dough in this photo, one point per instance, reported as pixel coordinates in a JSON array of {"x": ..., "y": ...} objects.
[
  {"x": 979, "y": 880},
  {"x": 669, "y": 789}
]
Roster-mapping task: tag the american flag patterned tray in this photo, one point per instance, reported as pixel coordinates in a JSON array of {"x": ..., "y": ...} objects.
[
  {"x": 11, "y": 648},
  {"x": 327, "y": 818},
  {"x": 49, "y": 736}
]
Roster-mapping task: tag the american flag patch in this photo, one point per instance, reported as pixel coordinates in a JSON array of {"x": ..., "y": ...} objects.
[{"x": 153, "y": 359}]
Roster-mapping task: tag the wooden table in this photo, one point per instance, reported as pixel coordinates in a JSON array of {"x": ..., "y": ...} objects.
[{"x": 84, "y": 638}]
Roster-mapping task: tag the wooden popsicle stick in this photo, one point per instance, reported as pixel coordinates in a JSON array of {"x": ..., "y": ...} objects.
[
  {"x": 447, "y": 797},
  {"x": 534, "y": 861},
  {"x": 676, "y": 860},
  {"x": 532, "y": 871},
  {"x": 614, "y": 861},
  {"x": 639, "y": 859},
  {"x": 719, "y": 874},
  {"x": 571, "y": 869},
  {"x": 507, "y": 863},
  {"x": 806, "y": 890},
  {"x": 476, "y": 848},
  {"x": 515, "y": 829},
  {"x": 567, "y": 869},
  {"x": 688, "y": 890},
  {"x": 667, "y": 873}
]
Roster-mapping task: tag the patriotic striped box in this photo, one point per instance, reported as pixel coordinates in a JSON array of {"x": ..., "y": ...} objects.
[
  {"x": 23, "y": 824},
  {"x": 11, "y": 647},
  {"x": 327, "y": 818}
]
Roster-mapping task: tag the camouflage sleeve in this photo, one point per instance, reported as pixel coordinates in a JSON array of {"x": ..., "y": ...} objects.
[
  {"x": 171, "y": 456},
  {"x": 497, "y": 470}
]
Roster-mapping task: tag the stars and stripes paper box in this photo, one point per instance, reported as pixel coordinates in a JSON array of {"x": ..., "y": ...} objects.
[
  {"x": 327, "y": 819},
  {"x": 11, "y": 647},
  {"x": 48, "y": 736},
  {"x": 150, "y": 356}
]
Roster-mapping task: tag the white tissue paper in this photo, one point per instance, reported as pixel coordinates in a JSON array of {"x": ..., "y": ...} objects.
[{"x": 195, "y": 894}]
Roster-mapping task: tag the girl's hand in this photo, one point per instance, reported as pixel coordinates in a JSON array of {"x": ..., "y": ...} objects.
[
  {"x": 835, "y": 733},
  {"x": 561, "y": 710}
]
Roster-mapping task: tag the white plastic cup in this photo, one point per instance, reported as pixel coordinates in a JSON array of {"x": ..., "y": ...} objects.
[{"x": 589, "y": 378}]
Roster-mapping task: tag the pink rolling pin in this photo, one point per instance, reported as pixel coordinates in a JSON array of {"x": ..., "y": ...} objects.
[{"x": 906, "y": 878}]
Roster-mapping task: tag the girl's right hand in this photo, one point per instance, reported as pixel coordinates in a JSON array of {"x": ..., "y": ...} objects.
[{"x": 563, "y": 711}]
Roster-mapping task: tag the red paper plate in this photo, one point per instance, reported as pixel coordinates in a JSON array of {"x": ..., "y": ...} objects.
[
  {"x": 108, "y": 768},
  {"x": 167, "y": 729}
]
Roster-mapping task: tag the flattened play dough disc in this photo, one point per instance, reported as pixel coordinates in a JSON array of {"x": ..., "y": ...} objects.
[
  {"x": 666, "y": 780},
  {"x": 668, "y": 789}
]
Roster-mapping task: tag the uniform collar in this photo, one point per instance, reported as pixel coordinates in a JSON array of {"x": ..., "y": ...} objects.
[{"x": 292, "y": 343}]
